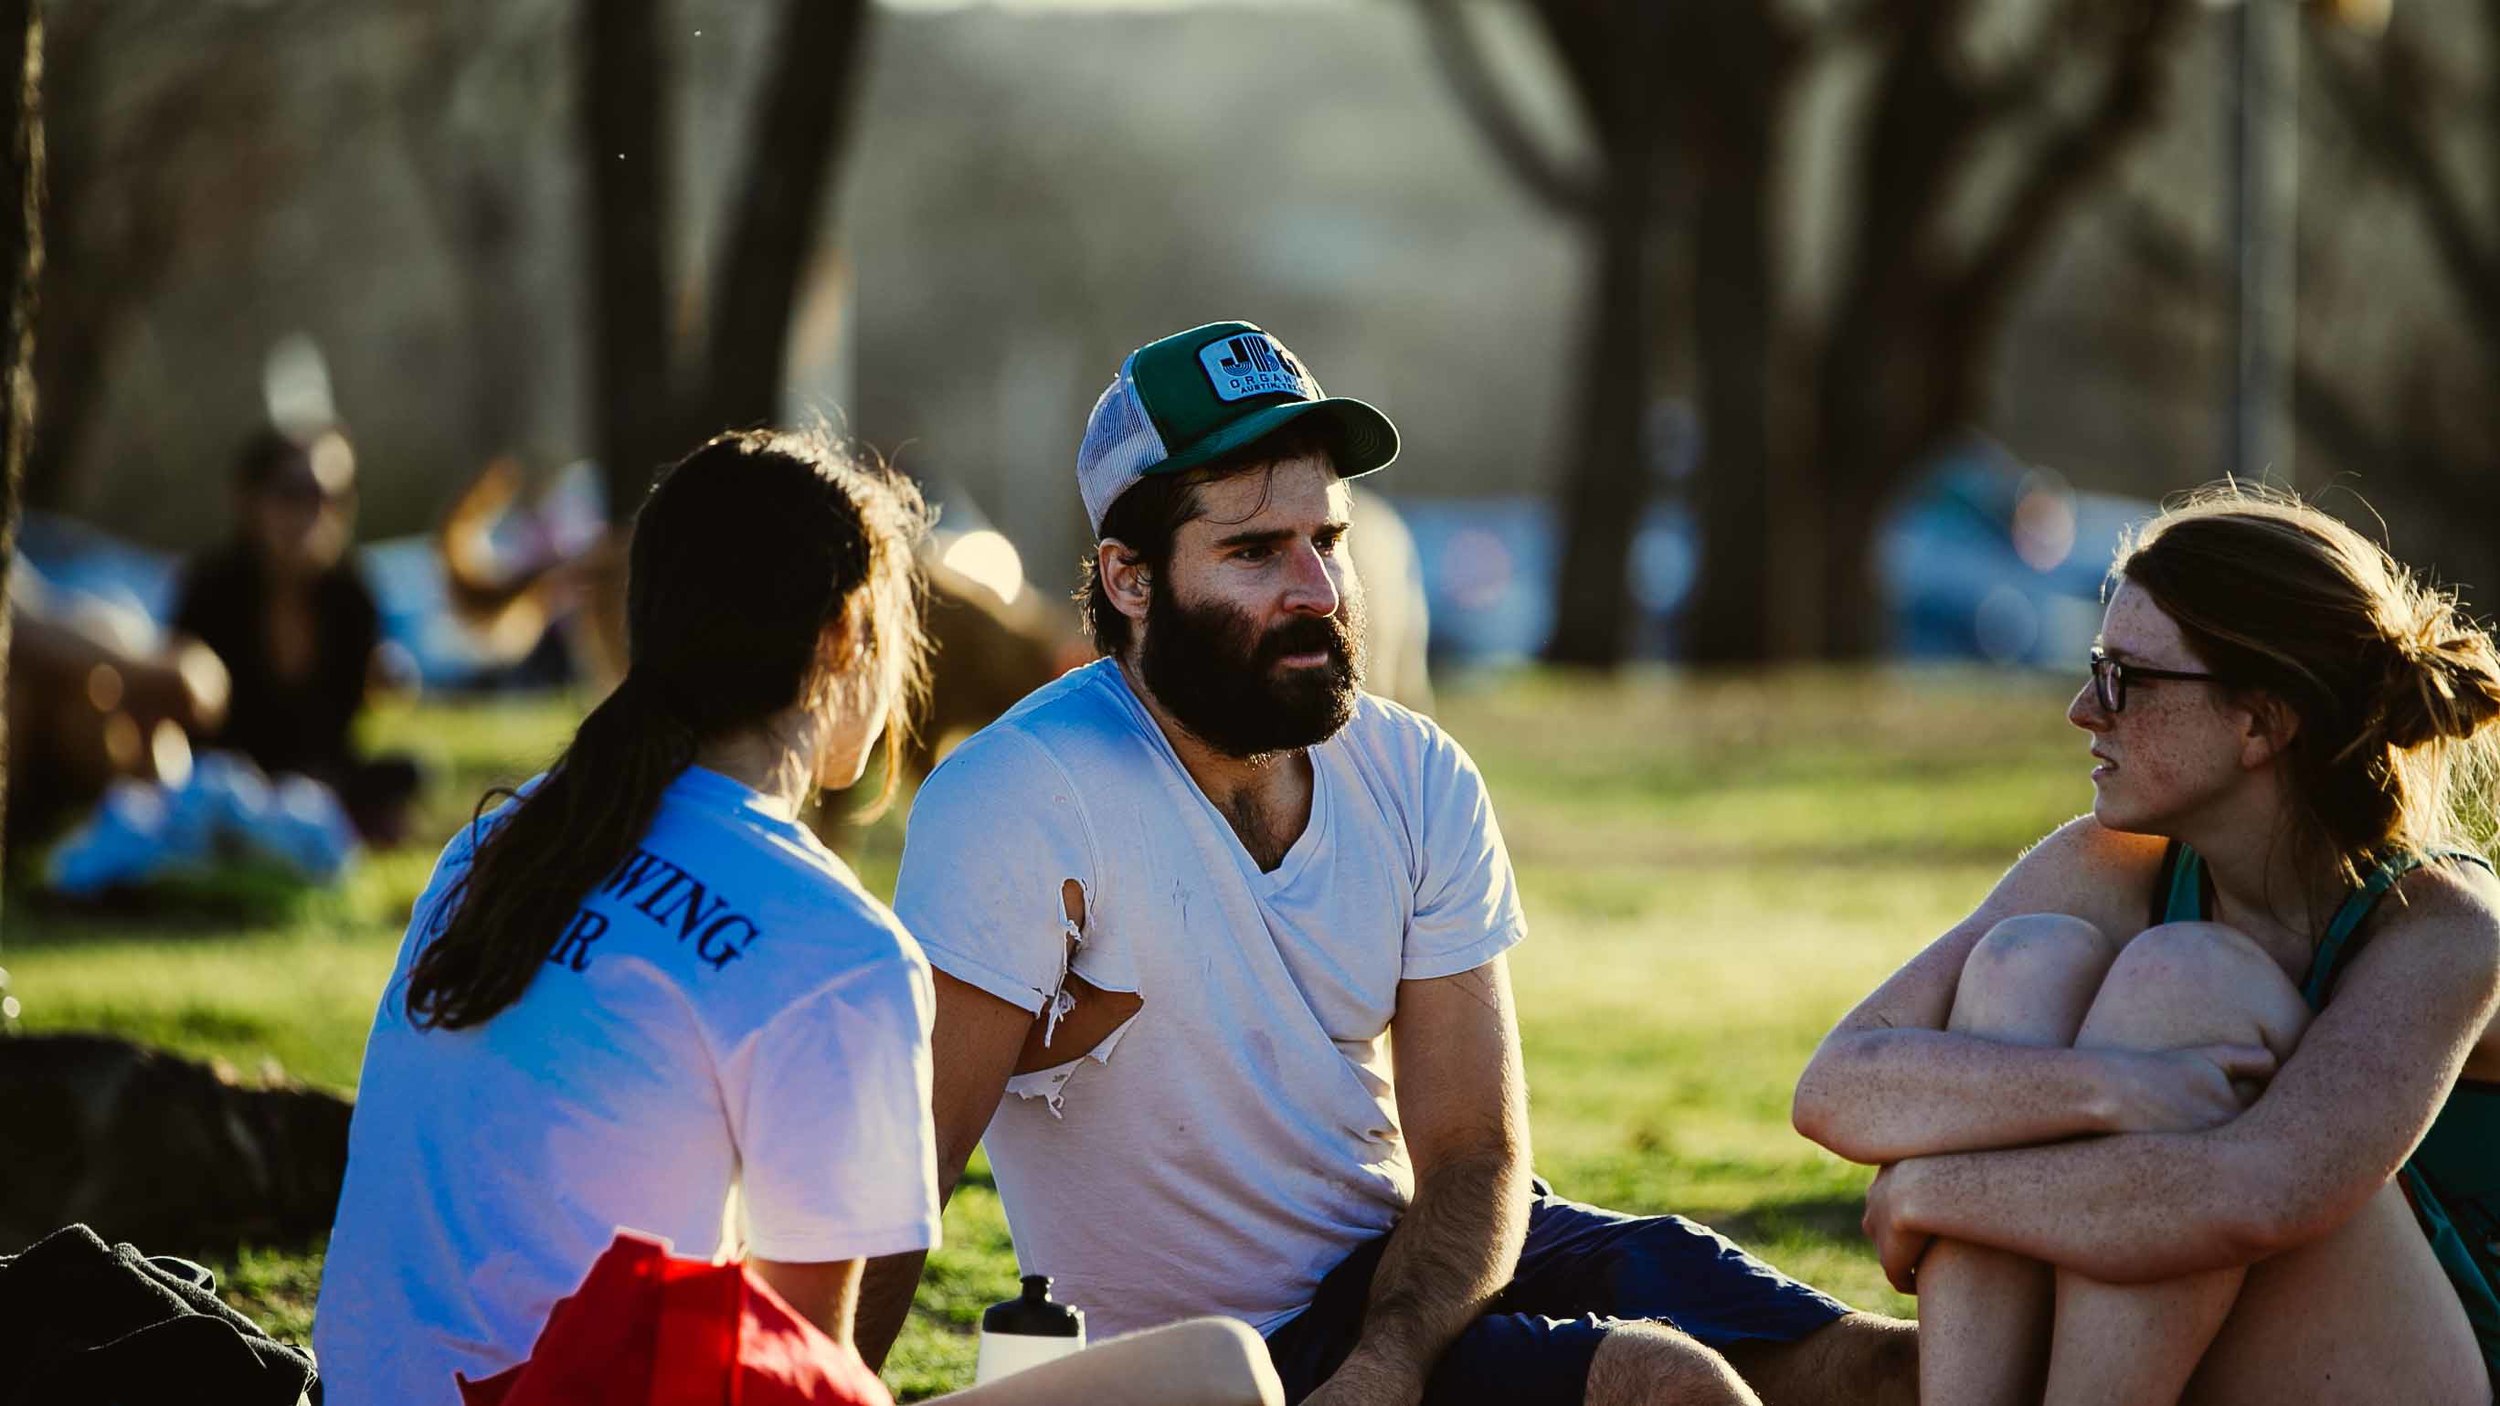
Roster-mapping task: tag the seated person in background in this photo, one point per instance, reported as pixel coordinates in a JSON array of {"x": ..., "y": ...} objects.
[
  {"x": 2178, "y": 1110},
  {"x": 285, "y": 609},
  {"x": 643, "y": 981}
]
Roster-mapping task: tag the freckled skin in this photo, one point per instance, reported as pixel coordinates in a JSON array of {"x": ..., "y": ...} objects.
[
  {"x": 2173, "y": 746},
  {"x": 2091, "y": 1242}
]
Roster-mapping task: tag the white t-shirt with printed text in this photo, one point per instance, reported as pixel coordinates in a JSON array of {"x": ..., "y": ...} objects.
[
  {"x": 1232, "y": 1142},
  {"x": 728, "y": 1006}
]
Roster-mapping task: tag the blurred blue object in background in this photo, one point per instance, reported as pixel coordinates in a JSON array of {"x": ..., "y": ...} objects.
[
  {"x": 1983, "y": 559},
  {"x": 129, "y": 590}
]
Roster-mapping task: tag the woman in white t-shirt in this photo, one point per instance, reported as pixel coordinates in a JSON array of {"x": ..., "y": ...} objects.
[{"x": 642, "y": 982}]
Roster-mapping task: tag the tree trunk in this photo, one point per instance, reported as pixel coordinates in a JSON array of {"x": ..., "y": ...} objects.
[
  {"x": 1608, "y": 485},
  {"x": 1854, "y": 495},
  {"x": 791, "y": 151},
  {"x": 21, "y": 261},
  {"x": 636, "y": 424},
  {"x": 1732, "y": 616}
]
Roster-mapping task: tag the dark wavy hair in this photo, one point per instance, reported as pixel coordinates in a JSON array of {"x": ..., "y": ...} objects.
[
  {"x": 767, "y": 570},
  {"x": 1150, "y": 512},
  {"x": 2394, "y": 685}
]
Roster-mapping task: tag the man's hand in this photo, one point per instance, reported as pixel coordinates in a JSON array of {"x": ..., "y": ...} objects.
[
  {"x": 1896, "y": 1246},
  {"x": 1370, "y": 1379},
  {"x": 2187, "y": 1090}
]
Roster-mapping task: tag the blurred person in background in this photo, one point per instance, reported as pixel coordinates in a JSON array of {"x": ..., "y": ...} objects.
[
  {"x": 2204, "y": 1099},
  {"x": 643, "y": 980},
  {"x": 1221, "y": 941},
  {"x": 284, "y": 607}
]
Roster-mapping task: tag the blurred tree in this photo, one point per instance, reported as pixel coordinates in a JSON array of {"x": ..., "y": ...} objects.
[
  {"x": 21, "y": 263},
  {"x": 155, "y": 149},
  {"x": 1980, "y": 126},
  {"x": 2408, "y": 115},
  {"x": 653, "y": 398}
]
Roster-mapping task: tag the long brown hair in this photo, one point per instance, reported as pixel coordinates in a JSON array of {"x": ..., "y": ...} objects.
[
  {"x": 2393, "y": 684},
  {"x": 750, "y": 557}
]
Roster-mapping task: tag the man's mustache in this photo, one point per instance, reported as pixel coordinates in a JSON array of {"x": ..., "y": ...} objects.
[{"x": 1308, "y": 635}]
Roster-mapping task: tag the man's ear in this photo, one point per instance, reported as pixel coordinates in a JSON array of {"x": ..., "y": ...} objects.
[
  {"x": 2269, "y": 730},
  {"x": 1126, "y": 579}
]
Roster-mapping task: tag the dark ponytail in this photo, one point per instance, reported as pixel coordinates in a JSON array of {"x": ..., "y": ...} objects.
[{"x": 747, "y": 554}]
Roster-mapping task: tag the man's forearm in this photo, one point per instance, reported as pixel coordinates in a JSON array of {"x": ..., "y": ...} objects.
[
  {"x": 1455, "y": 1249},
  {"x": 885, "y": 1294}
]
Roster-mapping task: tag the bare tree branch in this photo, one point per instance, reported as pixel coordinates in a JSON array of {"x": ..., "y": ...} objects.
[
  {"x": 797, "y": 128},
  {"x": 1553, "y": 182},
  {"x": 2070, "y": 161},
  {"x": 2387, "y": 113}
]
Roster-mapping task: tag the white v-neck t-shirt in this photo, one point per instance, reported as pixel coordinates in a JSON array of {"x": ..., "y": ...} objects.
[
  {"x": 1232, "y": 1142},
  {"x": 728, "y": 1006}
]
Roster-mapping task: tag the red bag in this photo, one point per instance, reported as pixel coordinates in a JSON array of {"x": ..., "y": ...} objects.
[{"x": 649, "y": 1327}]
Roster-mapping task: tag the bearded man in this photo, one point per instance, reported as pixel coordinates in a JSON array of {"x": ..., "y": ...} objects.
[{"x": 1220, "y": 940}]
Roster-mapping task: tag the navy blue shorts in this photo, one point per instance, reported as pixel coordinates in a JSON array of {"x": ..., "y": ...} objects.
[{"x": 1583, "y": 1269}]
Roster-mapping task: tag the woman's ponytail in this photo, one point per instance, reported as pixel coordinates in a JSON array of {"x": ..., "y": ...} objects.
[
  {"x": 748, "y": 552},
  {"x": 544, "y": 856}
]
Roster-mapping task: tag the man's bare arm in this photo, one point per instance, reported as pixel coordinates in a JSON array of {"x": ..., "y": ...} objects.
[
  {"x": 1463, "y": 1105},
  {"x": 972, "y": 1052}
]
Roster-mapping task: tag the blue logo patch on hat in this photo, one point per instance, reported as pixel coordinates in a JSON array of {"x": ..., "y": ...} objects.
[{"x": 1255, "y": 363}]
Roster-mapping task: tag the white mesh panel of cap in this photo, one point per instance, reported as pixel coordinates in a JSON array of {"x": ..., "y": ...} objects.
[{"x": 1120, "y": 444}]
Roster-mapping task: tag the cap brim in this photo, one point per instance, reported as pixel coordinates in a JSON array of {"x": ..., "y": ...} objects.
[{"x": 1361, "y": 439}]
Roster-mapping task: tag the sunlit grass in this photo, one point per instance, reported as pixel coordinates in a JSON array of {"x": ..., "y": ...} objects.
[{"x": 1714, "y": 871}]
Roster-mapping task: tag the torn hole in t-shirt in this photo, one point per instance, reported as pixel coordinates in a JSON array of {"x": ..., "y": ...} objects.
[
  {"x": 1072, "y": 928},
  {"x": 1051, "y": 1085},
  {"x": 1103, "y": 1005}
]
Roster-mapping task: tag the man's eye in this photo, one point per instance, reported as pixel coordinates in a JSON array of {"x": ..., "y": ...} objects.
[{"x": 1254, "y": 554}]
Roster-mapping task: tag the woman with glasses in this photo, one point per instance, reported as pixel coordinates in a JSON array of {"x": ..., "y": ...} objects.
[{"x": 2204, "y": 1100}]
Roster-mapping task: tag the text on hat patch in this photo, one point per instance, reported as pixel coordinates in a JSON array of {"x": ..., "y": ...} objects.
[{"x": 1254, "y": 364}]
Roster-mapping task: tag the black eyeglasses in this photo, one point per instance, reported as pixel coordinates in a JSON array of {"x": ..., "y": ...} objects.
[{"x": 2109, "y": 679}]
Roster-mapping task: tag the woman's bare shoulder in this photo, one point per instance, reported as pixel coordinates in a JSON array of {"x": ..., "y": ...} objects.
[
  {"x": 2086, "y": 869},
  {"x": 2457, "y": 899}
]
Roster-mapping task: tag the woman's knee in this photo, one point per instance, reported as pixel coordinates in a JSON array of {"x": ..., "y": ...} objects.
[
  {"x": 2031, "y": 978},
  {"x": 2195, "y": 983}
]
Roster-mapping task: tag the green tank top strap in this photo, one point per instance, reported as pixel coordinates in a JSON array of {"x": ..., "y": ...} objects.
[
  {"x": 2337, "y": 949},
  {"x": 2179, "y": 892}
]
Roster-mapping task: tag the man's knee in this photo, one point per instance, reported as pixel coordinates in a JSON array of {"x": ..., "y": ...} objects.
[
  {"x": 2031, "y": 978},
  {"x": 2195, "y": 983},
  {"x": 1865, "y": 1359},
  {"x": 1649, "y": 1364}
]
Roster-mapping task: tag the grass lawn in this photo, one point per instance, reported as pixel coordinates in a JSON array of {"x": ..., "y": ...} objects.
[{"x": 1714, "y": 871}]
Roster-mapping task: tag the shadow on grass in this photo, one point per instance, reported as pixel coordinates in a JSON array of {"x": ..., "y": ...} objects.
[{"x": 1821, "y": 1217}]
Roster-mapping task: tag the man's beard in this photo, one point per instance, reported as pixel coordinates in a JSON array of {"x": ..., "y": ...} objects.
[{"x": 1217, "y": 677}]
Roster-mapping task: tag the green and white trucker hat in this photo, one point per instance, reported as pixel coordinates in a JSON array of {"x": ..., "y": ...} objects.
[{"x": 1199, "y": 395}]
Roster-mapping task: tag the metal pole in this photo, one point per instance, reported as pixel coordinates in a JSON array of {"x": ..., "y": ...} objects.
[{"x": 2262, "y": 203}]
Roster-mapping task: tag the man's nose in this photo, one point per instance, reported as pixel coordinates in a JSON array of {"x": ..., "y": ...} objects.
[{"x": 1310, "y": 587}]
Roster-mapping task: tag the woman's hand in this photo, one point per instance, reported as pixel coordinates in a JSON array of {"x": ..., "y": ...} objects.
[
  {"x": 2186, "y": 1090},
  {"x": 1896, "y": 1246}
]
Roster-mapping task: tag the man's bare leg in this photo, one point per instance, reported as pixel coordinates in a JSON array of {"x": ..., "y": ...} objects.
[
  {"x": 1864, "y": 1359},
  {"x": 2176, "y": 985},
  {"x": 1983, "y": 1313},
  {"x": 1650, "y": 1364}
]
